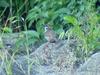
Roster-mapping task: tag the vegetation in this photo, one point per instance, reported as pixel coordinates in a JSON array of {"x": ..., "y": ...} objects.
[{"x": 69, "y": 19}]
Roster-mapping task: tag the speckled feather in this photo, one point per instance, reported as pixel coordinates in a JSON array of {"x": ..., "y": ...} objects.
[{"x": 50, "y": 36}]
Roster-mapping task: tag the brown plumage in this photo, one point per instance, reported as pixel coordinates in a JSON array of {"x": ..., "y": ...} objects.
[{"x": 50, "y": 35}]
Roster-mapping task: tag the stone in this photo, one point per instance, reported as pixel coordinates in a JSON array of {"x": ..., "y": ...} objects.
[{"x": 91, "y": 66}]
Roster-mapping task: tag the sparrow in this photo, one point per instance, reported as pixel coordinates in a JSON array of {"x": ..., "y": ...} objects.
[{"x": 49, "y": 34}]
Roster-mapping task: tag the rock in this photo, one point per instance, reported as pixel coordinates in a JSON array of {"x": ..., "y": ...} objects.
[
  {"x": 49, "y": 59},
  {"x": 22, "y": 67},
  {"x": 60, "y": 55},
  {"x": 2, "y": 72},
  {"x": 91, "y": 66},
  {"x": 16, "y": 42}
]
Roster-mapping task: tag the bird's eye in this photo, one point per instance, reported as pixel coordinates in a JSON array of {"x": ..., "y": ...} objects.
[{"x": 46, "y": 28}]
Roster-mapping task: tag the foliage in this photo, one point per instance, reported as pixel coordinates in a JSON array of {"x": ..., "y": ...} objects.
[
  {"x": 86, "y": 28},
  {"x": 7, "y": 30},
  {"x": 27, "y": 37},
  {"x": 90, "y": 39}
]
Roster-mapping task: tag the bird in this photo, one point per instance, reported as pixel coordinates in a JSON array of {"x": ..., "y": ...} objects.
[{"x": 49, "y": 34}]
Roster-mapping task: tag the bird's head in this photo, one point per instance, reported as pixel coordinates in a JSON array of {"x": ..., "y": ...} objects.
[{"x": 46, "y": 27}]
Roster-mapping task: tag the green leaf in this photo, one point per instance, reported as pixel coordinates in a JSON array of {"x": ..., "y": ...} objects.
[
  {"x": 30, "y": 34},
  {"x": 71, "y": 19},
  {"x": 39, "y": 26},
  {"x": 27, "y": 37},
  {"x": 62, "y": 34},
  {"x": 97, "y": 45},
  {"x": 4, "y": 3},
  {"x": 1, "y": 42},
  {"x": 7, "y": 30}
]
